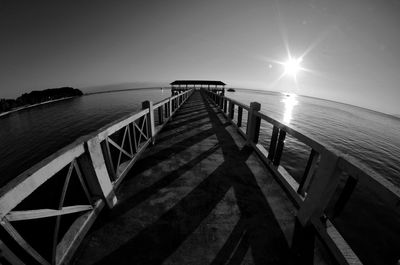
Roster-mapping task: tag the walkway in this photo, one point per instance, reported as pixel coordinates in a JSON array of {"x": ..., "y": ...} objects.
[{"x": 199, "y": 196}]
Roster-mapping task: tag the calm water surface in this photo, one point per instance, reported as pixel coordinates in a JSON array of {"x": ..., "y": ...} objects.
[
  {"x": 30, "y": 135},
  {"x": 371, "y": 137}
]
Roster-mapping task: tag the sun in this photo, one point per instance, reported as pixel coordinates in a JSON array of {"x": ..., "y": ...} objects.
[{"x": 292, "y": 66}]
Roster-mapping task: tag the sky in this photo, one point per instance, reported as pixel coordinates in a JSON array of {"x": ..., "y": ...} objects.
[{"x": 349, "y": 49}]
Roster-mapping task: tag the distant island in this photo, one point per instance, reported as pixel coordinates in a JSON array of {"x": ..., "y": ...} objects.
[
  {"x": 231, "y": 90},
  {"x": 36, "y": 98}
]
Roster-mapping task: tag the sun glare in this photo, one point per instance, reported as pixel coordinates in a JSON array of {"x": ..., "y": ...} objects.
[{"x": 292, "y": 66}]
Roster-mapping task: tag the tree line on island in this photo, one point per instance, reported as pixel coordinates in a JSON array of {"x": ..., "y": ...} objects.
[{"x": 36, "y": 97}]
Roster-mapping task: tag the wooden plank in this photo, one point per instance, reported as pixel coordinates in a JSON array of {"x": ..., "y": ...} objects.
[
  {"x": 240, "y": 116},
  {"x": 279, "y": 147},
  {"x": 121, "y": 149},
  {"x": 308, "y": 172},
  {"x": 335, "y": 243},
  {"x": 43, "y": 213},
  {"x": 75, "y": 234},
  {"x": 272, "y": 145},
  {"x": 321, "y": 189},
  {"x": 160, "y": 115},
  {"x": 17, "y": 190},
  {"x": 60, "y": 205},
  {"x": 86, "y": 166},
  {"x": 82, "y": 182},
  {"x": 8, "y": 255},
  {"x": 170, "y": 107},
  {"x": 231, "y": 110},
  {"x": 108, "y": 159},
  {"x": 130, "y": 140},
  {"x": 96, "y": 156},
  {"x": 253, "y": 123}
]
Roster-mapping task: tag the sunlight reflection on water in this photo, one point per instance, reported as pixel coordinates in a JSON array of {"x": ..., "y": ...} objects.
[{"x": 290, "y": 102}]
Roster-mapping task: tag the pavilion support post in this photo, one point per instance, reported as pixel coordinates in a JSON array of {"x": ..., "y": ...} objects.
[
  {"x": 253, "y": 123},
  {"x": 150, "y": 119}
]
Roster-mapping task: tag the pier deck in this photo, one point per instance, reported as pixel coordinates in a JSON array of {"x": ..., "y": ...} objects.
[{"x": 200, "y": 195}]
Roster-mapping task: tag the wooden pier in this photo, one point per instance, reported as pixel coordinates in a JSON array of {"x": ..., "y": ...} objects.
[
  {"x": 179, "y": 86},
  {"x": 194, "y": 198},
  {"x": 184, "y": 181}
]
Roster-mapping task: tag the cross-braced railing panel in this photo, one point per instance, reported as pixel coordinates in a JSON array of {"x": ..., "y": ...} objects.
[
  {"x": 46, "y": 210},
  {"x": 121, "y": 147},
  {"x": 41, "y": 220}
]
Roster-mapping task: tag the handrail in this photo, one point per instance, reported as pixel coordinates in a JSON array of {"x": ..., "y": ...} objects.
[
  {"x": 322, "y": 175},
  {"x": 94, "y": 165}
]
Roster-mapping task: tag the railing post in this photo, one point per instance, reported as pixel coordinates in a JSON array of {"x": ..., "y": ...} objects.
[
  {"x": 170, "y": 107},
  {"x": 308, "y": 172},
  {"x": 225, "y": 107},
  {"x": 253, "y": 123},
  {"x": 240, "y": 115},
  {"x": 231, "y": 110},
  {"x": 322, "y": 188},
  {"x": 318, "y": 197},
  {"x": 160, "y": 114},
  {"x": 150, "y": 118},
  {"x": 272, "y": 144},
  {"x": 279, "y": 147},
  {"x": 103, "y": 180}
]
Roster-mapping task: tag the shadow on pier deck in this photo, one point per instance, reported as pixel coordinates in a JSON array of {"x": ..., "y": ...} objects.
[{"x": 198, "y": 196}]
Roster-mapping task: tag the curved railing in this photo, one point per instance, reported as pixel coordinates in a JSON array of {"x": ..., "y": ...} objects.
[
  {"x": 46, "y": 210},
  {"x": 324, "y": 171}
]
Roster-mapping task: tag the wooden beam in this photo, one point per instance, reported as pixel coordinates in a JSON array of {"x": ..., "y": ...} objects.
[
  {"x": 8, "y": 255},
  {"x": 13, "y": 193},
  {"x": 321, "y": 189},
  {"x": 43, "y": 213},
  {"x": 253, "y": 123},
  {"x": 308, "y": 172},
  {"x": 99, "y": 165}
]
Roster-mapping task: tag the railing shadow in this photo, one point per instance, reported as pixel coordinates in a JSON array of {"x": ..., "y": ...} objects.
[{"x": 257, "y": 229}]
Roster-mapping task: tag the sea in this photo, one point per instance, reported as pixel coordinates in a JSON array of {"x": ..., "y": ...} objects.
[{"x": 373, "y": 138}]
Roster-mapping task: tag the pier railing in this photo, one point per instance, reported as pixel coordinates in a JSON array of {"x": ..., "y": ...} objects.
[
  {"x": 329, "y": 178},
  {"x": 46, "y": 211}
]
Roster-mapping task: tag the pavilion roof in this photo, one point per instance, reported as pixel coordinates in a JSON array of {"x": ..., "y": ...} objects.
[{"x": 198, "y": 82}]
